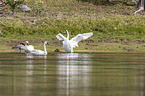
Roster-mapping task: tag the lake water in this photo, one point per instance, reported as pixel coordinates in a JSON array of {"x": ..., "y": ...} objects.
[{"x": 76, "y": 74}]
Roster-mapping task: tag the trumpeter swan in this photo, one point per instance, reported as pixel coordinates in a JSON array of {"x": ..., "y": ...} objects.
[
  {"x": 40, "y": 52},
  {"x": 20, "y": 47},
  {"x": 68, "y": 45},
  {"x": 28, "y": 48}
]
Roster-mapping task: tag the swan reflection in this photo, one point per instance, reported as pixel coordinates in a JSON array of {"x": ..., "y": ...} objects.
[
  {"x": 75, "y": 69},
  {"x": 30, "y": 61},
  {"x": 29, "y": 67},
  {"x": 30, "y": 56},
  {"x": 32, "y": 65}
]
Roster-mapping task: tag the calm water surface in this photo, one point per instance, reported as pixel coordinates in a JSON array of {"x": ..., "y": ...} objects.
[{"x": 77, "y": 74}]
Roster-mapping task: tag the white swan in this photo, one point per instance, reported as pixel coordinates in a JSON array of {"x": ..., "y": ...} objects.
[
  {"x": 28, "y": 48},
  {"x": 68, "y": 45},
  {"x": 40, "y": 52}
]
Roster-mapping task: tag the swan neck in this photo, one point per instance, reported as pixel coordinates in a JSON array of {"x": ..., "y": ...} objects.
[
  {"x": 67, "y": 35},
  {"x": 44, "y": 48}
]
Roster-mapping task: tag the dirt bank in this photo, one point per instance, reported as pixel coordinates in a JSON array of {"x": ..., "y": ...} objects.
[{"x": 89, "y": 45}]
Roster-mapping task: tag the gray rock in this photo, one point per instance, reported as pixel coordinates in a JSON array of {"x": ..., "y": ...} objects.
[{"x": 24, "y": 7}]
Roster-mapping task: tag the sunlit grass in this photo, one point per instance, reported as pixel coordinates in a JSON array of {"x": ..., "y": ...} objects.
[
  {"x": 50, "y": 17},
  {"x": 108, "y": 26}
]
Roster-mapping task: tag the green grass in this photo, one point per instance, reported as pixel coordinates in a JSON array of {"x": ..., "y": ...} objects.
[
  {"x": 50, "y": 17},
  {"x": 110, "y": 26}
]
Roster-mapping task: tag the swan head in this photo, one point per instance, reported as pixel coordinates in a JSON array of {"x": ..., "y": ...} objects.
[
  {"x": 27, "y": 42},
  {"x": 46, "y": 43},
  {"x": 66, "y": 31}
]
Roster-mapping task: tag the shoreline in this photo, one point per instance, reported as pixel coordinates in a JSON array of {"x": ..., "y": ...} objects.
[{"x": 84, "y": 46}]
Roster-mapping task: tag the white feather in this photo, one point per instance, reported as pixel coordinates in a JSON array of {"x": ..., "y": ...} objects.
[
  {"x": 68, "y": 45},
  {"x": 40, "y": 52},
  {"x": 28, "y": 48},
  {"x": 60, "y": 37},
  {"x": 79, "y": 38}
]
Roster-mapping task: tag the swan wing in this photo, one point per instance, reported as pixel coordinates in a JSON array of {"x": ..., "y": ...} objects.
[
  {"x": 31, "y": 47},
  {"x": 28, "y": 48},
  {"x": 37, "y": 52},
  {"x": 74, "y": 41},
  {"x": 60, "y": 37}
]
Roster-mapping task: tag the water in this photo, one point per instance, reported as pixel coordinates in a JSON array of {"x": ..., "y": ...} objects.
[{"x": 77, "y": 74}]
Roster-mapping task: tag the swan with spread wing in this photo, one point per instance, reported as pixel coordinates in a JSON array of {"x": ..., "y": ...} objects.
[{"x": 68, "y": 45}]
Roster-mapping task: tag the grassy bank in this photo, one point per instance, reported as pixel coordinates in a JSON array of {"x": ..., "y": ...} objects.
[{"x": 113, "y": 24}]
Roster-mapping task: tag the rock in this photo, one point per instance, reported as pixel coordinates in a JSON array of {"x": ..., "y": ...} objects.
[
  {"x": 24, "y": 7},
  {"x": 56, "y": 50}
]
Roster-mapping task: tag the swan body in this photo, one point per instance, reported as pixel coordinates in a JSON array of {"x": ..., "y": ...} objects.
[
  {"x": 40, "y": 52},
  {"x": 20, "y": 47},
  {"x": 28, "y": 48},
  {"x": 68, "y": 45}
]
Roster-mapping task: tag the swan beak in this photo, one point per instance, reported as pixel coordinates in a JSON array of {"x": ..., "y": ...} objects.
[
  {"x": 47, "y": 43},
  {"x": 66, "y": 31}
]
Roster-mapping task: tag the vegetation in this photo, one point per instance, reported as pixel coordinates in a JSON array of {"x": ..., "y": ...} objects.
[
  {"x": 13, "y": 4},
  {"x": 108, "y": 20}
]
